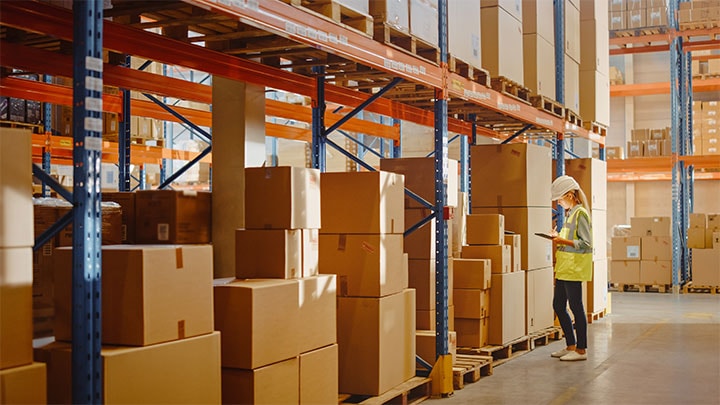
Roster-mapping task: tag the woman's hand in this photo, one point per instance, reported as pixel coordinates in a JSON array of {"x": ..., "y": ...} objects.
[{"x": 553, "y": 233}]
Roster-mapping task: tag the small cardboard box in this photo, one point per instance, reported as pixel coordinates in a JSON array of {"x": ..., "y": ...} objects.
[
  {"x": 168, "y": 216},
  {"x": 471, "y": 273},
  {"x": 650, "y": 226},
  {"x": 625, "y": 272},
  {"x": 706, "y": 267},
  {"x": 507, "y": 308},
  {"x": 426, "y": 348},
  {"x": 500, "y": 256},
  {"x": 514, "y": 241},
  {"x": 656, "y": 272},
  {"x": 127, "y": 204},
  {"x": 656, "y": 248},
  {"x": 268, "y": 253},
  {"x": 696, "y": 238},
  {"x": 485, "y": 229},
  {"x": 698, "y": 220},
  {"x": 16, "y": 306},
  {"x": 472, "y": 304},
  {"x": 318, "y": 376},
  {"x": 259, "y": 386},
  {"x": 472, "y": 332},
  {"x": 317, "y": 312},
  {"x": 538, "y": 299}
]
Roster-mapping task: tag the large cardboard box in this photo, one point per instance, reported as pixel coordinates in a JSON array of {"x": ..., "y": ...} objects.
[
  {"x": 595, "y": 47},
  {"x": 151, "y": 294},
  {"x": 698, "y": 220},
  {"x": 24, "y": 385},
  {"x": 268, "y": 253},
  {"x": 310, "y": 252},
  {"x": 471, "y": 273},
  {"x": 572, "y": 31},
  {"x": 650, "y": 226},
  {"x": 625, "y": 272},
  {"x": 536, "y": 251},
  {"x": 711, "y": 238},
  {"x": 395, "y": 13},
  {"x": 255, "y": 318},
  {"x": 656, "y": 247},
  {"x": 424, "y": 20},
  {"x": 535, "y": 17},
  {"x": 425, "y": 345},
  {"x": 168, "y": 216},
  {"x": 464, "y": 31},
  {"x": 366, "y": 265},
  {"x": 426, "y": 319},
  {"x": 597, "y": 288},
  {"x": 572, "y": 84},
  {"x": 458, "y": 225},
  {"x": 656, "y": 272},
  {"x": 319, "y": 376},
  {"x": 526, "y": 178},
  {"x": 282, "y": 198},
  {"x": 362, "y": 202},
  {"x": 317, "y": 301},
  {"x": 696, "y": 238},
  {"x": 597, "y": 10},
  {"x": 507, "y": 308},
  {"x": 376, "y": 339},
  {"x": 16, "y": 207},
  {"x": 599, "y": 234},
  {"x": 595, "y": 97},
  {"x": 514, "y": 241},
  {"x": 111, "y": 224},
  {"x": 501, "y": 41},
  {"x": 706, "y": 267},
  {"x": 472, "y": 332},
  {"x": 591, "y": 175},
  {"x": 625, "y": 248},
  {"x": 127, "y": 204},
  {"x": 539, "y": 61},
  {"x": 419, "y": 175},
  {"x": 538, "y": 299},
  {"x": 185, "y": 371},
  {"x": 16, "y": 306},
  {"x": 485, "y": 229},
  {"x": 472, "y": 303},
  {"x": 422, "y": 278},
  {"x": 419, "y": 244},
  {"x": 500, "y": 256},
  {"x": 513, "y": 7},
  {"x": 657, "y": 17},
  {"x": 260, "y": 386}
]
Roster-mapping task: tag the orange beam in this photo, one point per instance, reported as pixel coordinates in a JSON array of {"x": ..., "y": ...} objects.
[
  {"x": 660, "y": 164},
  {"x": 647, "y": 89},
  {"x": 658, "y": 177}
]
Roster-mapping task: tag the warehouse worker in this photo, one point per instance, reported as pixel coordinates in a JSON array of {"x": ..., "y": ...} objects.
[{"x": 573, "y": 265}]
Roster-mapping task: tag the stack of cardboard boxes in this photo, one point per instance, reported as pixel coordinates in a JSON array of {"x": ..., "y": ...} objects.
[
  {"x": 649, "y": 142},
  {"x": 709, "y": 66},
  {"x": 278, "y": 293},
  {"x": 502, "y": 38},
  {"x": 706, "y": 127},
  {"x": 424, "y": 21},
  {"x": 704, "y": 240},
  {"x": 393, "y": 13},
  {"x": 698, "y": 13},
  {"x": 645, "y": 257},
  {"x": 464, "y": 31},
  {"x": 361, "y": 240},
  {"x": 21, "y": 380},
  {"x": 636, "y": 14},
  {"x": 539, "y": 47},
  {"x": 594, "y": 62},
  {"x": 572, "y": 55}
]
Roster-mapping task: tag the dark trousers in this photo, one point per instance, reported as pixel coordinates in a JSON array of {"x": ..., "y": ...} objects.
[{"x": 571, "y": 291}]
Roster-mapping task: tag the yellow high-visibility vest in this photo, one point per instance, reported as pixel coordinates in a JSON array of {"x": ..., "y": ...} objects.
[{"x": 573, "y": 264}]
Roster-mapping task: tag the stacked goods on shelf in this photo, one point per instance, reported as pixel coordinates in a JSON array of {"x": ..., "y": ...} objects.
[
  {"x": 522, "y": 196},
  {"x": 391, "y": 13},
  {"x": 644, "y": 257},
  {"x": 419, "y": 174},
  {"x": 704, "y": 239},
  {"x": 706, "y": 127},
  {"x": 709, "y": 67},
  {"x": 616, "y": 76},
  {"x": 361, "y": 240},
  {"x": 424, "y": 21},
  {"x": 278, "y": 317},
  {"x": 645, "y": 13},
  {"x": 649, "y": 142},
  {"x": 572, "y": 56},
  {"x": 594, "y": 62},
  {"x": 21, "y": 380},
  {"x": 698, "y": 14},
  {"x": 616, "y": 15},
  {"x": 539, "y": 47},
  {"x": 464, "y": 32},
  {"x": 614, "y": 152},
  {"x": 502, "y": 39},
  {"x": 169, "y": 216},
  {"x": 472, "y": 282}
]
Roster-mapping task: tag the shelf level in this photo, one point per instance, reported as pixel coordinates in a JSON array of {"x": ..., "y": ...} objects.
[
  {"x": 648, "y": 89},
  {"x": 660, "y": 164}
]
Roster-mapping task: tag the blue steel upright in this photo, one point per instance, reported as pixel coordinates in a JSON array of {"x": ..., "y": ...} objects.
[
  {"x": 473, "y": 141},
  {"x": 87, "y": 255},
  {"x": 559, "y": 8},
  {"x": 318, "y": 120},
  {"x": 124, "y": 138}
]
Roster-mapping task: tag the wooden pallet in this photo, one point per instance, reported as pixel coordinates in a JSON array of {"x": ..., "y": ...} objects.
[
  {"x": 390, "y": 35},
  {"x": 500, "y": 354},
  {"x": 467, "y": 70},
  {"x": 662, "y": 288},
  {"x": 543, "y": 337},
  {"x": 338, "y": 13},
  {"x": 35, "y": 128},
  {"x": 596, "y": 127},
  {"x": 511, "y": 88},
  {"x": 616, "y": 82},
  {"x": 572, "y": 117},
  {"x": 596, "y": 316},
  {"x": 412, "y": 391},
  {"x": 703, "y": 289},
  {"x": 548, "y": 105},
  {"x": 697, "y": 25},
  {"x": 469, "y": 368}
]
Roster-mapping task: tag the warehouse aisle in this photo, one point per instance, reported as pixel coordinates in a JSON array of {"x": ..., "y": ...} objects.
[{"x": 653, "y": 349}]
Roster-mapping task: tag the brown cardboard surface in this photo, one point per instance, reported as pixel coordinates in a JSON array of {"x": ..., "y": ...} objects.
[
  {"x": 525, "y": 180},
  {"x": 282, "y": 198},
  {"x": 595, "y": 48},
  {"x": 16, "y": 327},
  {"x": 513, "y": 7},
  {"x": 650, "y": 226},
  {"x": 362, "y": 203},
  {"x": 424, "y": 21},
  {"x": 319, "y": 376},
  {"x": 419, "y": 175},
  {"x": 617, "y": 5},
  {"x": 572, "y": 31},
  {"x": 706, "y": 267},
  {"x": 310, "y": 252},
  {"x": 596, "y": 10},
  {"x": 16, "y": 207},
  {"x": 515, "y": 243},
  {"x": 255, "y": 318},
  {"x": 421, "y": 277},
  {"x": 471, "y": 273},
  {"x": 696, "y": 238},
  {"x": 507, "y": 308},
  {"x": 425, "y": 344},
  {"x": 636, "y": 4},
  {"x": 572, "y": 84},
  {"x": 268, "y": 253},
  {"x": 499, "y": 256},
  {"x": 426, "y": 319},
  {"x": 539, "y": 74},
  {"x": 698, "y": 220},
  {"x": 636, "y": 18},
  {"x": 625, "y": 248},
  {"x": 599, "y": 234},
  {"x": 656, "y": 272},
  {"x": 366, "y": 265},
  {"x": 127, "y": 203},
  {"x": 502, "y": 39},
  {"x": 472, "y": 303},
  {"x": 317, "y": 312},
  {"x": 713, "y": 221},
  {"x": 538, "y": 299},
  {"x": 535, "y": 15},
  {"x": 464, "y": 31},
  {"x": 656, "y": 248},
  {"x": 617, "y": 20},
  {"x": 485, "y": 229},
  {"x": 656, "y": 17},
  {"x": 591, "y": 175},
  {"x": 419, "y": 244},
  {"x": 376, "y": 341},
  {"x": 597, "y": 288},
  {"x": 635, "y": 149},
  {"x": 24, "y": 385},
  {"x": 472, "y": 332},
  {"x": 260, "y": 386},
  {"x": 595, "y": 96},
  {"x": 111, "y": 225},
  {"x": 394, "y": 13},
  {"x": 168, "y": 216},
  {"x": 614, "y": 152},
  {"x": 625, "y": 272}
]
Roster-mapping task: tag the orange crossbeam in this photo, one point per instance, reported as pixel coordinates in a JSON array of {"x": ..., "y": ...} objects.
[{"x": 647, "y": 89}]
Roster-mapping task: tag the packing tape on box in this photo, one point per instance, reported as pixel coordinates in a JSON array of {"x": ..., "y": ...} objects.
[{"x": 178, "y": 258}]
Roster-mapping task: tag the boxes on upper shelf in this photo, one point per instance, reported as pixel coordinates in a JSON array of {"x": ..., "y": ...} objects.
[
  {"x": 539, "y": 61},
  {"x": 395, "y": 13},
  {"x": 424, "y": 20},
  {"x": 16, "y": 306},
  {"x": 572, "y": 31},
  {"x": 617, "y": 20},
  {"x": 535, "y": 17},
  {"x": 464, "y": 31},
  {"x": 572, "y": 84},
  {"x": 419, "y": 175},
  {"x": 595, "y": 97},
  {"x": 502, "y": 38},
  {"x": 16, "y": 208},
  {"x": 168, "y": 216}
]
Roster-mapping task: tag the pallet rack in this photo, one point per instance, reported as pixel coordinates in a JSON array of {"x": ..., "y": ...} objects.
[{"x": 448, "y": 102}]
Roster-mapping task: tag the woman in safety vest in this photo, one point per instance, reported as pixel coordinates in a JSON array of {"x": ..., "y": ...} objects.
[{"x": 573, "y": 265}]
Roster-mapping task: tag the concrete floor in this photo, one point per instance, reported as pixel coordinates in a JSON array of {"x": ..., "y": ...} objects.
[{"x": 653, "y": 349}]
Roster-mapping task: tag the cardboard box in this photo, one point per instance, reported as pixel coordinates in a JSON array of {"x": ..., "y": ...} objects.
[
  {"x": 317, "y": 312},
  {"x": 426, "y": 349},
  {"x": 636, "y": 18},
  {"x": 507, "y": 308},
  {"x": 656, "y": 272},
  {"x": 268, "y": 253},
  {"x": 713, "y": 221},
  {"x": 500, "y": 256},
  {"x": 614, "y": 152},
  {"x": 127, "y": 204},
  {"x": 464, "y": 31},
  {"x": 376, "y": 339},
  {"x": 395, "y": 13},
  {"x": 185, "y": 371},
  {"x": 259, "y": 386},
  {"x": 16, "y": 328},
  {"x": 24, "y": 384},
  {"x": 422, "y": 278},
  {"x": 625, "y": 248},
  {"x": 419, "y": 244},
  {"x": 536, "y": 251},
  {"x": 595, "y": 96},
  {"x": 597, "y": 288},
  {"x": 318, "y": 376},
  {"x": 572, "y": 31},
  {"x": 597, "y": 10},
  {"x": 625, "y": 272},
  {"x": 501, "y": 40},
  {"x": 485, "y": 229},
  {"x": 426, "y": 319},
  {"x": 653, "y": 148},
  {"x": 255, "y": 318},
  {"x": 635, "y": 149},
  {"x": 706, "y": 267},
  {"x": 656, "y": 247},
  {"x": 513, "y": 7},
  {"x": 424, "y": 21},
  {"x": 16, "y": 207},
  {"x": 111, "y": 225},
  {"x": 635, "y": 4},
  {"x": 572, "y": 84},
  {"x": 657, "y": 17},
  {"x": 698, "y": 220},
  {"x": 617, "y": 20},
  {"x": 715, "y": 240},
  {"x": 539, "y": 62},
  {"x": 472, "y": 304},
  {"x": 472, "y": 332},
  {"x": 366, "y": 265},
  {"x": 538, "y": 299},
  {"x": 535, "y": 17},
  {"x": 650, "y": 226},
  {"x": 595, "y": 48},
  {"x": 599, "y": 234},
  {"x": 591, "y": 175},
  {"x": 282, "y": 198},
  {"x": 640, "y": 134},
  {"x": 419, "y": 175},
  {"x": 526, "y": 176},
  {"x": 696, "y": 238},
  {"x": 361, "y": 6},
  {"x": 362, "y": 202},
  {"x": 514, "y": 241},
  {"x": 616, "y": 5},
  {"x": 471, "y": 273},
  {"x": 178, "y": 217},
  {"x": 151, "y": 294},
  {"x": 310, "y": 252}
]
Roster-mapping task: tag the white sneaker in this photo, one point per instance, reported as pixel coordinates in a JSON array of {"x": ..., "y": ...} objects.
[
  {"x": 574, "y": 356},
  {"x": 560, "y": 353}
]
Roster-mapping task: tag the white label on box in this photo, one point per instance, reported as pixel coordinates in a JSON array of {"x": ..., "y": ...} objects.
[
  {"x": 163, "y": 231},
  {"x": 633, "y": 252}
]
